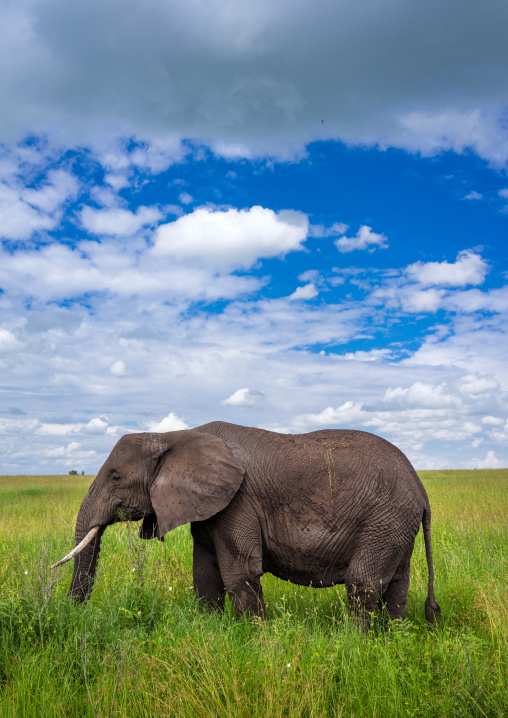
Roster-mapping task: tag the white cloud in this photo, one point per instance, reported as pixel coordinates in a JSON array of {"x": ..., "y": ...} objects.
[
  {"x": 489, "y": 462},
  {"x": 346, "y": 415},
  {"x": 118, "y": 222},
  {"x": 421, "y": 395},
  {"x": 417, "y": 300},
  {"x": 57, "y": 429},
  {"x": 365, "y": 239},
  {"x": 372, "y": 355},
  {"x": 492, "y": 421},
  {"x": 118, "y": 368},
  {"x": 308, "y": 291},
  {"x": 231, "y": 238},
  {"x": 185, "y": 198},
  {"x": 171, "y": 422},
  {"x": 70, "y": 455},
  {"x": 8, "y": 342},
  {"x": 98, "y": 425},
  {"x": 319, "y": 230},
  {"x": 25, "y": 211},
  {"x": 117, "y": 180},
  {"x": 474, "y": 384},
  {"x": 53, "y": 192},
  {"x": 468, "y": 268},
  {"x": 473, "y": 195},
  {"x": 244, "y": 397},
  {"x": 503, "y": 193},
  {"x": 57, "y": 272}
]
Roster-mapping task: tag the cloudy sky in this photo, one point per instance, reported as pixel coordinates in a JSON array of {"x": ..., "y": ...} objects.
[{"x": 284, "y": 214}]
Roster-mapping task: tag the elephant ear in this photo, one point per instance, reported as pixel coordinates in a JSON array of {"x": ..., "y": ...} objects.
[{"x": 197, "y": 477}]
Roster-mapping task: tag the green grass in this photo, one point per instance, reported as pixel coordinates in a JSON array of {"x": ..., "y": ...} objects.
[{"x": 142, "y": 647}]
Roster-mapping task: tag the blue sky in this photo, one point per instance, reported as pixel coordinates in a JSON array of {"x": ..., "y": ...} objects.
[{"x": 269, "y": 214}]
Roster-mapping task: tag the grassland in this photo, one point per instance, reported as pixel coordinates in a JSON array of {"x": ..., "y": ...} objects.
[{"x": 142, "y": 647}]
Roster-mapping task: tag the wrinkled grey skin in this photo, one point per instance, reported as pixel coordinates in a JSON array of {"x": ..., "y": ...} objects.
[{"x": 329, "y": 507}]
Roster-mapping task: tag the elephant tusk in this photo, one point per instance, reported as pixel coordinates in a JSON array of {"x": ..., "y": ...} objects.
[{"x": 89, "y": 537}]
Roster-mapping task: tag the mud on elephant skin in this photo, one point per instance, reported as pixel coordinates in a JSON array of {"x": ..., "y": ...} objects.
[{"x": 324, "y": 508}]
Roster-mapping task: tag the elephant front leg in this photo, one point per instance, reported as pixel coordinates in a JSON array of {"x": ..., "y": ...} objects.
[{"x": 208, "y": 583}]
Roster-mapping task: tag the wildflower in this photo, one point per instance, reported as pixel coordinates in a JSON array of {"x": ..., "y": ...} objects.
[
  {"x": 133, "y": 568},
  {"x": 26, "y": 573},
  {"x": 289, "y": 665},
  {"x": 170, "y": 588},
  {"x": 139, "y": 613},
  {"x": 406, "y": 703}
]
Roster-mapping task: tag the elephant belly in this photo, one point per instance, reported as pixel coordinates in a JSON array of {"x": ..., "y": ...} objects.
[{"x": 318, "y": 558}]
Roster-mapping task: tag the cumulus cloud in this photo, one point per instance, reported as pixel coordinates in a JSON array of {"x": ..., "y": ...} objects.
[
  {"x": 492, "y": 421},
  {"x": 365, "y": 239},
  {"x": 372, "y": 355},
  {"x": 118, "y": 368},
  {"x": 118, "y": 222},
  {"x": 72, "y": 452},
  {"x": 475, "y": 384},
  {"x": 259, "y": 78},
  {"x": 345, "y": 415},
  {"x": 468, "y": 268},
  {"x": 473, "y": 195},
  {"x": 244, "y": 397},
  {"x": 489, "y": 462},
  {"x": 24, "y": 211},
  {"x": 308, "y": 291},
  {"x": 8, "y": 342},
  {"x": 426, "y": 287},
  {"x": 422, "y": 395},
  {"x": 57, "y": 272},
  {"x": 171, "y": 422},
  {"x": 319, "y": 230},
  {"x": 231, "y": 238}
]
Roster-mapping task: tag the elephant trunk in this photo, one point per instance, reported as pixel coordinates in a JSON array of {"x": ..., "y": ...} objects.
[
  {"x": 85, "y": 564},
  {"x": 85, "y": 560}
]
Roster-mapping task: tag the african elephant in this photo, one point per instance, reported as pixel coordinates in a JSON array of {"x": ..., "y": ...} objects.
[{"x": 324, "y": 508}]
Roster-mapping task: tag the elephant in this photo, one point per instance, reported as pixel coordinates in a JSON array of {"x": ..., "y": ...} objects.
[{"x": 317, "y": 509}]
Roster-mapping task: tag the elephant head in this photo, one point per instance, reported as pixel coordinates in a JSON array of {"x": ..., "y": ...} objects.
[{"x": 165, "y": 479}]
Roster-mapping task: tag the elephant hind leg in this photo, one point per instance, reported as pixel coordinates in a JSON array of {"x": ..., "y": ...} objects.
[
  {"x": 363, "y": 597},
  {"x": 395, "y": 595},
  {"x": 372, "y": 576}
]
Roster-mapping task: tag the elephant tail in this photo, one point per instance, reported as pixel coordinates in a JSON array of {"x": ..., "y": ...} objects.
[{"x": 432, "y": 610}]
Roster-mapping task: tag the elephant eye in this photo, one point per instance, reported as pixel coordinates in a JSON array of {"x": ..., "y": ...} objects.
[{"x": 115, "y": 476}]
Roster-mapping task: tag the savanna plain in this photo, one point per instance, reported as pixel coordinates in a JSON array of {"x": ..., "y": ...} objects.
[{"x": 142, "y": 646}]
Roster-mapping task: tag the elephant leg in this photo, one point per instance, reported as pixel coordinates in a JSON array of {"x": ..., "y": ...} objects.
[
  {"x": 208, "y": 583},
  {"x": 369, "y": 577},
  {"x": 240, "y": 563},
  {"x": 362, "y": 598},
  {"x": 246, "y": 595},
  {"x": 395, "y": 595}
]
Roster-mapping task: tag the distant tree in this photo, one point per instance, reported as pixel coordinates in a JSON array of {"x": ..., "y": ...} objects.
[
  {"x": 82, "y": 473},
  {"x": 73, "y": 473}
]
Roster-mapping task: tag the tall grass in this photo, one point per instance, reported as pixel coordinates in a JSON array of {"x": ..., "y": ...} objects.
[{"x": 142, "y": 646}]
